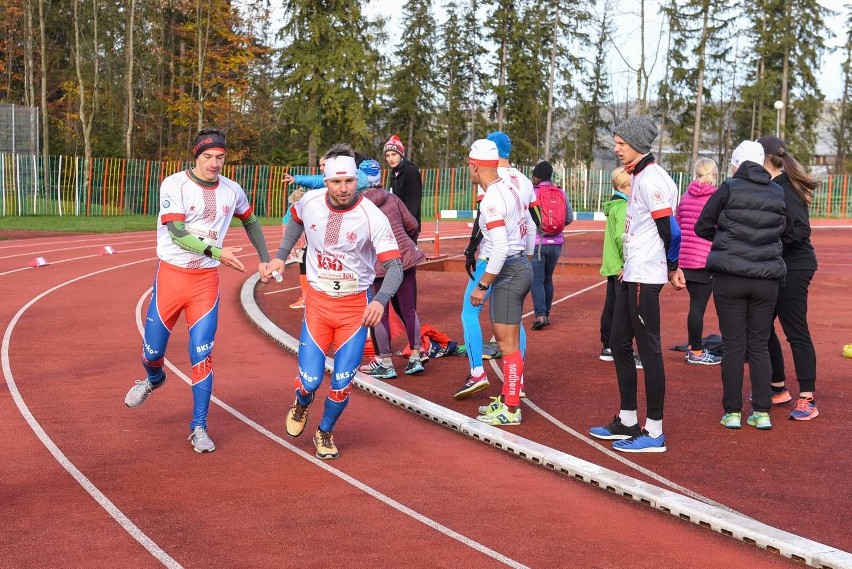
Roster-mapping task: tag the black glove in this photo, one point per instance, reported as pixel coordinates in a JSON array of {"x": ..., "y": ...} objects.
[{"x": 469, "y": 262}]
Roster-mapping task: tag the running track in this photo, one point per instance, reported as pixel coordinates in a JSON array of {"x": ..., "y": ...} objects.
[{"x": 90, "y": 483}]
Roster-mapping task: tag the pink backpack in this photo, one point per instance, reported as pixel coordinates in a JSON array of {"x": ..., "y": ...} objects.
[{"x": 552, "y": 205}]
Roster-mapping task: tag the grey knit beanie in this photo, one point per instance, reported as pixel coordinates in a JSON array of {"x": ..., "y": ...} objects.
[{"x": 639, "y": 132}]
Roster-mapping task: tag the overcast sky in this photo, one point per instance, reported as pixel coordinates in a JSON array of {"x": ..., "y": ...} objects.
[{"x": 830, "y": 77}]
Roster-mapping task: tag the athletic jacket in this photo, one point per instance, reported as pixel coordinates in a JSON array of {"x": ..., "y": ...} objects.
[
  {"x": 612, "y": 260},
  {"x": 403, "y": 224},
  {"x": 693, "y": 249},
  {"x": 798, "y": 252}
]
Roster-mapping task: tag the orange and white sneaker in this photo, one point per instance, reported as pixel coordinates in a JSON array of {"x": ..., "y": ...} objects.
[
  {"x": 805, "y": 409},
  {"x": 324, "y": 443}
]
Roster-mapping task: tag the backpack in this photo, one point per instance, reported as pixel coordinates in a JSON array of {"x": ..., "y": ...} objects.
[{"x": 552, "y": 205}]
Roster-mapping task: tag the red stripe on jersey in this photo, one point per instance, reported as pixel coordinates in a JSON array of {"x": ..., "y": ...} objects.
[
  {"x": 661, "y": 213},
  {"x": 172, "y": 217},
  {"x": 498, "y": 223},
  {"x": 295, "y": 215},
  {"x": 246, "y": 215},
  {"x": 393, "y": 254}
]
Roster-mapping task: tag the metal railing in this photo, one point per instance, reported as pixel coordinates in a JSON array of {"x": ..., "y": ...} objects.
[{"x": 118, "y": 186}]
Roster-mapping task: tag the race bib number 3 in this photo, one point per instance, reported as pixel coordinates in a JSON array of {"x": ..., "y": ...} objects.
[{"x": 337, "y": 282}]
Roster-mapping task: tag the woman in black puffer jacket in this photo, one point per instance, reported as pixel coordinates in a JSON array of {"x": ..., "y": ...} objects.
[{"x": 744, "y": 219}]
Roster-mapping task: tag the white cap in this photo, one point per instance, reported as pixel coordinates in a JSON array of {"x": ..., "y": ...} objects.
[
  {"x": 341, "y": 167},
  {"x": 747, "y": 150},
  {"x": 484, "y": 152}
]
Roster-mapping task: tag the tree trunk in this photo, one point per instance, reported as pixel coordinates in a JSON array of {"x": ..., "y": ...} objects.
[
  {"x": 202, "y": 36},
  {"x": 504, "y": 54},
  {"x": 87, "y": 115},
  {"x": 699, "y": 96},
  {"x": 410, "y": 140},
  {"x": 131, "y": 100},
  {"x": 45, "y": 133},
  {"x": 551, "y": 87}
]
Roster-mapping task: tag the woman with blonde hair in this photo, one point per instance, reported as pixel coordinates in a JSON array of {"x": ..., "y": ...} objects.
[
  {"x": 693, "y": 258},
  {"x": 791, "y": 308},
  {"x": 612, "y": 260}
]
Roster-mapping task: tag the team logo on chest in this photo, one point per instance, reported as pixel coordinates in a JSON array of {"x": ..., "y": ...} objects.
[
  {"x": 351, "y": 237},
  {"x": 225, "y": 209}
]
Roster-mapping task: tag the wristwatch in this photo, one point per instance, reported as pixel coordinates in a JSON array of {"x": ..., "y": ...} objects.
[
  {"x": 481, "y": 286},
  {"x": 208, "y": 251}
]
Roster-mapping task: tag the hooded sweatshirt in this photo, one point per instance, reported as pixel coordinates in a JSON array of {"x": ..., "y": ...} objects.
[
  {"x": 612, "y": 260},
  {"x": 404, "y": 226},
  {"x": 405, "y": 184},
  {"x": 693, "y": 249}
]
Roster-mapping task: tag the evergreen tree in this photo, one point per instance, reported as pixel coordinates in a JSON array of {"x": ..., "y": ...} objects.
[
  {"x": 788, "y": 41},
  {"x": 841, "y": 114},
  {"x": 323, "y": 79},
  {"x": 412, "y": 85}
]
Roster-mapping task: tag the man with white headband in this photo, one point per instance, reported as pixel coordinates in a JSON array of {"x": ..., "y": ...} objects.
[
  {"x": 507, "y": 276},
  {"x": 346, "y": 235}
]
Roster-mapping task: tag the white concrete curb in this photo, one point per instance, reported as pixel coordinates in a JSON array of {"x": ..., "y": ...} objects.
[{"x": 731, "y": 524}]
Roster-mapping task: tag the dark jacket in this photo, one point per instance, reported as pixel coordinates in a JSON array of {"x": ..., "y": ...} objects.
[
  {"x": 403, "y": 224},
  {"x": 798, "y": 252},
  {"x": 406, "y": 185},
  {"x": 745, "y": 218}
]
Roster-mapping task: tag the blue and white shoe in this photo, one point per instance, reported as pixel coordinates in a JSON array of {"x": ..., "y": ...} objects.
[
  {"x": 703, "y": 359},
  {"x": 642, "y": 442},
  {"x": 615, "y": 430}
]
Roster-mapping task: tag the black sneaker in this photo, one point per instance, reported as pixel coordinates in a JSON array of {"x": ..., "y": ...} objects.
[
  {"x": 606, "y": 355},
  {"x": 615, "y": 431}
]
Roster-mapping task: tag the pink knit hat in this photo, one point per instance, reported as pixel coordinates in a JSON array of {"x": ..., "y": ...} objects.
[{"x": 394, "y": 144}]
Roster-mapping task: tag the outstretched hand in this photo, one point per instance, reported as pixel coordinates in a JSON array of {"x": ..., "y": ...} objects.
[{"x": 228, "y": 257}]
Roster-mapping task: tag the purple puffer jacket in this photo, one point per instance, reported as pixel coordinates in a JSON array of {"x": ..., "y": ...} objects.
[
  {"x": 693, "y": 249},
  {"x": 404, "y": 225}
]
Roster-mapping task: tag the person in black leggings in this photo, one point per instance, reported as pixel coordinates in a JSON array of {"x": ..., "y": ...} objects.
[{"x": 791, "y": 308}]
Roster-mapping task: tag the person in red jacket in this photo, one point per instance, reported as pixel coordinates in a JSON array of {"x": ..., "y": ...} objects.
[{"x": 693, "y": 258}]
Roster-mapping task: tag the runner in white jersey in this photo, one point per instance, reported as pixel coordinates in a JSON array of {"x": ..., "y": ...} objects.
[
  {"x": 508, "y": 272},
  {"x": 196, "y": 208},
  {"x": 651, "y": 245},
  {"x": 345, "y": 236},
  {"x": 475, "y": 267}
]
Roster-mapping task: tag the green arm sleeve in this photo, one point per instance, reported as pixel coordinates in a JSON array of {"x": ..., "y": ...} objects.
[
  {"x": 255, "y": 235},
  {"x": 187, "y": 242}
]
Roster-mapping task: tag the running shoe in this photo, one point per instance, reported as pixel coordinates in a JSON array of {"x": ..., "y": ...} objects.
[
  {"x": 732, "y": 420},
  {"x": 606, "y": 355},
  {"x": 615, "y": 430},
  {"x": 201, "y": 440},
  {"x": 502, "y": 417},
  {"x": 540, "y": 322},
  {"x": 324, "y": 443},
  {"x": 643, "y": 442},
  {"x": 778, "y": 398},
  {"x": 297, "y": 418},
  {"x": 760, "y": 420},
  {"x": 472, "y": 385},
  {"x": 637, "y": 361},
  {"x": 379, "y": 370},
  {"x": 141, "y": 390},
  {"x": 492, "y": 407},
  {"x": 705, "y": 358},
  {"x": 299, "y": 304},
  {"x": 413, "y": 366},
  {"x": 805, "y": 409}
]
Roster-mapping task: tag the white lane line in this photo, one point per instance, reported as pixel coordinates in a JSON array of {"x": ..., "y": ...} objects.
[
  {"x": 42, "y": 252},
  {"x": 593, "y": 442},
  {"x": 60, "y": 457},
  {"x": 27, "y": 268},
  {"x": 403, "y": 509}
]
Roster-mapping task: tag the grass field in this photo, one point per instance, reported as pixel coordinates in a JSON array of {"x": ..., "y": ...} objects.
[{"x": 74, "y": 224}]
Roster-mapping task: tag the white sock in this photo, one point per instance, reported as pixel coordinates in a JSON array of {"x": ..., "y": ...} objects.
[
  {"x": 477, "y": 371},
  {"x": 654, "y": 427},
  {"x": 628, "y": 418}
]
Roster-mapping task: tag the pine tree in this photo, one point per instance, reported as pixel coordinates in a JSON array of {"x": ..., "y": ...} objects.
[
  {"x": 323, "y": 66},
  {"x": 841, "y": 123},
  {"x": 412, "y": 85}
]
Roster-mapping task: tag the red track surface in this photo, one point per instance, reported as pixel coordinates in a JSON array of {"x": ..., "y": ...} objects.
[{"x": 71, "y": 349}]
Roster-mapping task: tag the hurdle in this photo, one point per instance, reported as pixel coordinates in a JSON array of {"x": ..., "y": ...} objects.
[{"x": 448, "y": 214}]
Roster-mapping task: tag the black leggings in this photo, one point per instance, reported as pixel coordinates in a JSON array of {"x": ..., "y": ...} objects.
[
  {"x": 637, "y": 314},
  {"x": 792, "y": 312},
  {"x": 699, "y": 294},
  {"x": 606, "y": 313}
]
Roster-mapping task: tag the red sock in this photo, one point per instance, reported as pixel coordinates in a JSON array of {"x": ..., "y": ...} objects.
[{"x": 513, "y": 369}]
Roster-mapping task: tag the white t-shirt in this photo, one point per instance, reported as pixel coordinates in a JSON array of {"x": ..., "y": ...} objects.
[
  {"x": 206, "y": 213},
  {"x": 343, "y": 245},
  {"x": 503, "y": 222},
  {"x": 653, "y": 195}
]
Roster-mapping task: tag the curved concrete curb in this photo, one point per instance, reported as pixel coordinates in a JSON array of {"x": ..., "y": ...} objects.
[{"x": 731, "y": 524}]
